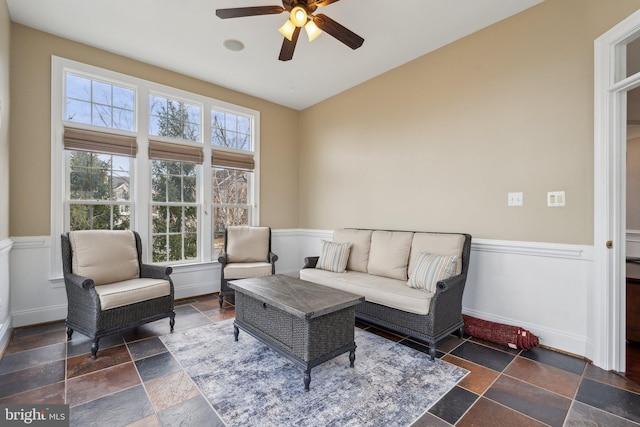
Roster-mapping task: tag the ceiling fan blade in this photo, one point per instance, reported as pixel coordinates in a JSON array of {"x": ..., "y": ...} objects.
[
  {"x": 336, "y": 30},
  {"x": 323, "y": 3},
  {"x": 286, "y": 53},
  {"x": 239, "y": 12}
]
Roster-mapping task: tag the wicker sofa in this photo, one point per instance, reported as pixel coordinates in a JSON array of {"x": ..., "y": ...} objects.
[{"x": 382, "y": 264}]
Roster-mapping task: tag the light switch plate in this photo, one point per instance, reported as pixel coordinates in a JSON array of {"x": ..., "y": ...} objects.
[
  {"x": 556, "y": 199},
  {"x": 515, "y": 199}
]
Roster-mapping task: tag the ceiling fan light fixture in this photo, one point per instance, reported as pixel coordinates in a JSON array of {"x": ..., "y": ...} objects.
[
  {"x": 298, "y": 16},
  {"x": 312, "y": 30},
  {"x": 287, "y": 29}
]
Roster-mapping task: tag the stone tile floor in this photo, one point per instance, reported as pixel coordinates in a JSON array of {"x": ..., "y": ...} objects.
[{"x": 136, "y": 382}]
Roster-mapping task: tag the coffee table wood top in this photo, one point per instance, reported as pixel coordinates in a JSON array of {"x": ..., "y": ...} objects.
[{"x": 300, "y": 298}]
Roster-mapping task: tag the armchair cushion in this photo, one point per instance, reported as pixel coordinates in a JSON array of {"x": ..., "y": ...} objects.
[
  {"x": 113, "y": 260},
  {"x": 131, "y": 291},
  {"x": 247, "y": 244},
  {"x": 247, "y": 270}
]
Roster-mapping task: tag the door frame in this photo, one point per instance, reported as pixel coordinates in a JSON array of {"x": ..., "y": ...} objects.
[{"x": 607, "y": 299}]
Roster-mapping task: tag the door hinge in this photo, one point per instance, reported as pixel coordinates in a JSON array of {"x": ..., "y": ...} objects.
[{"x": 609, "y": 244}]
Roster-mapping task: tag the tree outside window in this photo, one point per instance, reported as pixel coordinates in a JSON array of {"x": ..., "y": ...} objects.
[{"x": 174, "y": 211}]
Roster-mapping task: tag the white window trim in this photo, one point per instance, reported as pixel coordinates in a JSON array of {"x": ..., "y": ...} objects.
[{"x": 141, "y": 166}]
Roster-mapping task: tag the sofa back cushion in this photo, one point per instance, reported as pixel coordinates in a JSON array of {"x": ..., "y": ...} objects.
[
  {"x": 103, "y": 255},
  {"x": 247, "y": 244},
  {"x": 439, "y": 244},
  {"x": 360, "y": 246},
  {"x": 389, "y": 254}
]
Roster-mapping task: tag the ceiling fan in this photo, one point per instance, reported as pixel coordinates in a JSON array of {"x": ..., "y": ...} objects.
[{"x": 300, "y": 15}]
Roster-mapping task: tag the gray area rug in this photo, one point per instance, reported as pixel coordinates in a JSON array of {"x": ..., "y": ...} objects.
[{"x": 249, "y": 384}]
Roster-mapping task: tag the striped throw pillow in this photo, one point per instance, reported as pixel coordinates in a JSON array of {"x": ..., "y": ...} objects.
[
  {"x": 333, "y": 256},
  {"x": 431, "y": 268}
]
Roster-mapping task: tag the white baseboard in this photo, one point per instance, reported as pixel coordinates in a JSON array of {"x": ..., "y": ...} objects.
[
  {"x": 6, "y": 320},
  {"x": 45, "y": 314},
  {"x": 5, "y": 334},
  {"x": 549, "y": 337}
]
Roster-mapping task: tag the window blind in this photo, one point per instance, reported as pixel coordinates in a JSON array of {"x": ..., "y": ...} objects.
[
  {"x": 160, "y": 150},
  {"x": 102, "y": 142},
  {"x": 227, "y": 159}
]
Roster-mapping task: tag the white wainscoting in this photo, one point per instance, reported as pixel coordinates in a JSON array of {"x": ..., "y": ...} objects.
[
  {"x": 633, "y": 243},
  {"x": 541, "y": 287},
  {"x": 6, "y": 323},
  {"x": 38, "y": 298}
]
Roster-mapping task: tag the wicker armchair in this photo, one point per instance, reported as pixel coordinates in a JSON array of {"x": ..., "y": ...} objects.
[
  {"x": 109, "y": 289},
  {"x": 247, "y": 253}
]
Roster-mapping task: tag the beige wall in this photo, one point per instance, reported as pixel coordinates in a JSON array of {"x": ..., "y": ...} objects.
[
  {"x": 438, "y": 143},
  {"x": 5, "y": 27},
  {"x": 433, "y": 145},
  {"x": 31, "y": 52}
]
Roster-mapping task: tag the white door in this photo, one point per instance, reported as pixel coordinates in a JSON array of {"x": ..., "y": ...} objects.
[{"x": 614, "y": 77}]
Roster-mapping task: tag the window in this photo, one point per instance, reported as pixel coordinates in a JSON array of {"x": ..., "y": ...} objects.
[
  {"x": 230, "y": 130},
  {"x": 97, "y": 176},
  {"x": 98, "y": 196},
  {"x": 99, "y": 103},
  {"x": 175, "y": 166},
  {"x": 173, "y": 118},
  {"x": 174, "y": 171},
  {"x": 231, "y": 206},
  {"x": 174, "y": 211},
  {"x": 232, "y": 178}
]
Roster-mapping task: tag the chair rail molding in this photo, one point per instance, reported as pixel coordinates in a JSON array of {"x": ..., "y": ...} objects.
[{"x": 549, "y": 250}]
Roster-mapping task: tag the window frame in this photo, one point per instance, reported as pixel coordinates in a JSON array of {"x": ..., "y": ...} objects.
[{"x": 140, "y": 166}]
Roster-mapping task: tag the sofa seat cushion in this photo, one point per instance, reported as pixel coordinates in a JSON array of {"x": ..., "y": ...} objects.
[
  {"x": 246, "y": 270},
  {"x": 376, "y": 289},
  {"x": 131, "y": 291}
]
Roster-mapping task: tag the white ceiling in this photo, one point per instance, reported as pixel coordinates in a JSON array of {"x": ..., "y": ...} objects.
[{"x": 186, "y": 36}]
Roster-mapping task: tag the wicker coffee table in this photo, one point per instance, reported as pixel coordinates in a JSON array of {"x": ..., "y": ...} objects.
[{"x": 305, "y": 322}]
